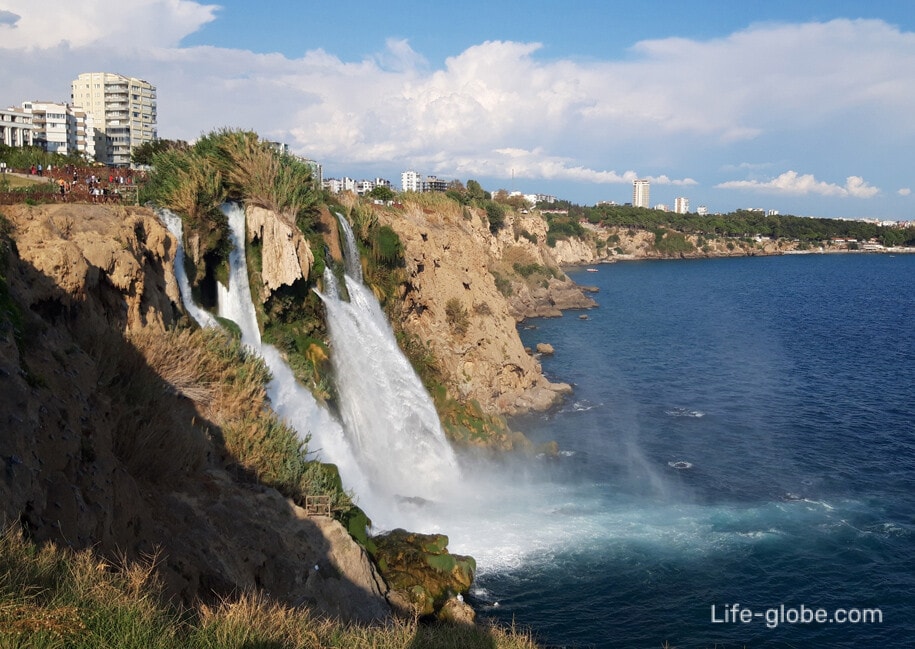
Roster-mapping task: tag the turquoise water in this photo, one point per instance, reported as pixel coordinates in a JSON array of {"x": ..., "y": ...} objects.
[{"x": 741, "y": 432}]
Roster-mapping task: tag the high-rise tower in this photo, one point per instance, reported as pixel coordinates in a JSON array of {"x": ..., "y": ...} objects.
[
  {"x": 640, "y": 190},
  {"x": 123, "y": 108}
]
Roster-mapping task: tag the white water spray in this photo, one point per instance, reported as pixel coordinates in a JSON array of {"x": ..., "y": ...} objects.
[
  {"x": 351, "y": 260},
  {"x": 291, "y": 401},
  {"x": 389, "y": 417},
  {"x": 495, "y": 512},
  {"x": 173, "y": 223}
]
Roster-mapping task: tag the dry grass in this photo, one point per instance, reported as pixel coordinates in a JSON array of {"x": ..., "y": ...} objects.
[
  {"x": 228, "y": 386},
  {"x": 54, "y": 598},
  {"x": 436, "y": 202}
]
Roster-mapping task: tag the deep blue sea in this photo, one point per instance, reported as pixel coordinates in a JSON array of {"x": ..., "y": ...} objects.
[{"x": 741, "y": 432}]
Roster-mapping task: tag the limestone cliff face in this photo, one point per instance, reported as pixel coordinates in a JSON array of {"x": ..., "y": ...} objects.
[
  {"x": 451, "y": 302},
  {"x": 81, "y": 278},
  {"x": 285, "y": 254},
  {"x": 603, "y": 245},
  {"x": 523, "y": 241}
]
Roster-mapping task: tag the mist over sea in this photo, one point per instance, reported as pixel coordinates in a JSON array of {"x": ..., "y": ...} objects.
[{"x": 742, "y": 431}]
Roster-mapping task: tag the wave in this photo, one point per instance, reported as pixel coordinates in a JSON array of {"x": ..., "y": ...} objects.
[{"x": 684, "y": 412}]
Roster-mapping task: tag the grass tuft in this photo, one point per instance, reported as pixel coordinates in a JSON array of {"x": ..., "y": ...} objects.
[{"x": 54, "y": 598}]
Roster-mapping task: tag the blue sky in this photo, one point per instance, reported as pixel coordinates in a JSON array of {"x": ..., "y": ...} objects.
[{"x": 803, "y": 107}]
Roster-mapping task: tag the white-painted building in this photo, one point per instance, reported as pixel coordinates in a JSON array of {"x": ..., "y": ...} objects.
[
  {"x": 124, "y": 109},
  {"x": 411, "y": 181},
  {"x": 702, "y": 210},
  {"x": 681, "y": 205},
  {"x": 641, "y": 190},
  {"x": 62, "y": 128},
  {"x": 15, "y": 127}
]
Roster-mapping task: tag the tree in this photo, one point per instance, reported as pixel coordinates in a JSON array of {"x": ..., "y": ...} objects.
[
  {"x": 382, "y": 193},
  {"x": 475, "y": 191},
  {"x": 496, "y": 214},
  {"x": 144, "y": 153}
]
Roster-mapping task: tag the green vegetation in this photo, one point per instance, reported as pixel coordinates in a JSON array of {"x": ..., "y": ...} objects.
[
  {"x": 146, "y": 152},
  {"x": 25, "y": 157},
  {"x": 562, "y": 226},
  {"x": 668, "y": 242},
  {"x": 10, "y": 315},
  {"x": 52, "y": 598},
  {"x": 743, "y": 224}
]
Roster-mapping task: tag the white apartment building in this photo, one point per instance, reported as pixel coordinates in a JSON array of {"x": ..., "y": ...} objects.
[
  {"x": 411, "y": 181},
  {"x": 124, "y": 109},
  {"x": 681, "y": 205},
  {"x": 640, "y": 193},
  {"x": 15, "y": 127},
  {"x": 62, "y": 128}
]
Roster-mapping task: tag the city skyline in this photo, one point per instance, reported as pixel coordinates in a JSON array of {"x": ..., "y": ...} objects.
[{"x": 798, "y": 107}]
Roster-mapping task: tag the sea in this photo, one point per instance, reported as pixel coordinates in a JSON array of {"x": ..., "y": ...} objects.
[{"x": 736, "y": 462}]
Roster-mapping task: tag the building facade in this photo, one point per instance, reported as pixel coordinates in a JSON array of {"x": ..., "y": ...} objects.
[
  {"x": 681, "y": 205},
  {"x": 124, "y": 109},
  {"x": 411, "y": 181},
  {"x": 62, "y": 128},
  {"x": 640, "y": 193},
  {"x": 15, "y": 127}
]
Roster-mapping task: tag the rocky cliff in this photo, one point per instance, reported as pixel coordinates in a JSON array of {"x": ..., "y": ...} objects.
[
  {"x": 80, "y": 401},
  {"x": 463, "y": 298},
  {"x": 608, "y": 244}
]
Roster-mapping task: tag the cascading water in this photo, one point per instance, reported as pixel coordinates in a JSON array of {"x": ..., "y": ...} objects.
[
  {"x": 389, "y": 417},
  {"x": 173, "y": 223},
  {"x": 291, "y": 401},
  {"x": 351, "y": 260}
]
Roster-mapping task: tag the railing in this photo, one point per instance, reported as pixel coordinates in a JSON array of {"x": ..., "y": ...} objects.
[{"x": 317, "y": 505}]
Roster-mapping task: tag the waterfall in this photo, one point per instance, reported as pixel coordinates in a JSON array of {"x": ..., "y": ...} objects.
[
  {"x": 173, "y": 223},
  {"x": 393, "y": 453},
  {"x": 294, "y": 403},
  {"x": 390, "y": 419},
  {"x": 235, "y": 300},
  {"x": 389, "y": 416},
  {"x": 351, "y": 261}
]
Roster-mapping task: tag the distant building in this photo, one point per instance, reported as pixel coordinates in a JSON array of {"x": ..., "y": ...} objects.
[
  {"x": 124, "y": 109},
  {"x": 702, "y": 210},
  {"x": 434, "y": 184},
  {"x": 15, "y": 127},
  {"x": 640, "y": 193},
  {"x": 360, "y": 187},
  {"x": 411, "y": 181},
  {"x": 681, "y": 205},
  {"x": 661, "y": 207},
  {"x": 62, "y": 128}
]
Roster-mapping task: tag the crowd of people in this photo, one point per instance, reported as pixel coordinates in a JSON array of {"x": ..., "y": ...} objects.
[{"x": 85, "y": 184}]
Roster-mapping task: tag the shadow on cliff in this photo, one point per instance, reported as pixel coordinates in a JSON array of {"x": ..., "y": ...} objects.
[{"x": 100, "y": 452}]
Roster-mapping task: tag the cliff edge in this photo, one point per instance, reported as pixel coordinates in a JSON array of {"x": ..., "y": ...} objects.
[{"x": 101, "y": 448}]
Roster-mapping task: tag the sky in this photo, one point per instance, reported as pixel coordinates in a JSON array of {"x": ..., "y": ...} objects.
[{"x": 807, "y": 107}]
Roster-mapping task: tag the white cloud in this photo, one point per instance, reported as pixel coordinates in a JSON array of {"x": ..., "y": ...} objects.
[
  {"x": 905, "y": 191},
  {"x": 26, "y": 24},
  {"x": 791, "y": 182},
  {"x": 498, "y": 105}
]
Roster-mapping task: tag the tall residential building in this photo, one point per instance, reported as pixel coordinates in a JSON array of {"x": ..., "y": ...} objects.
[
  {"x": 124, "y": 109},
  {"x": 640, "y": 190},
  {"x": 681, "y": 205}
]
